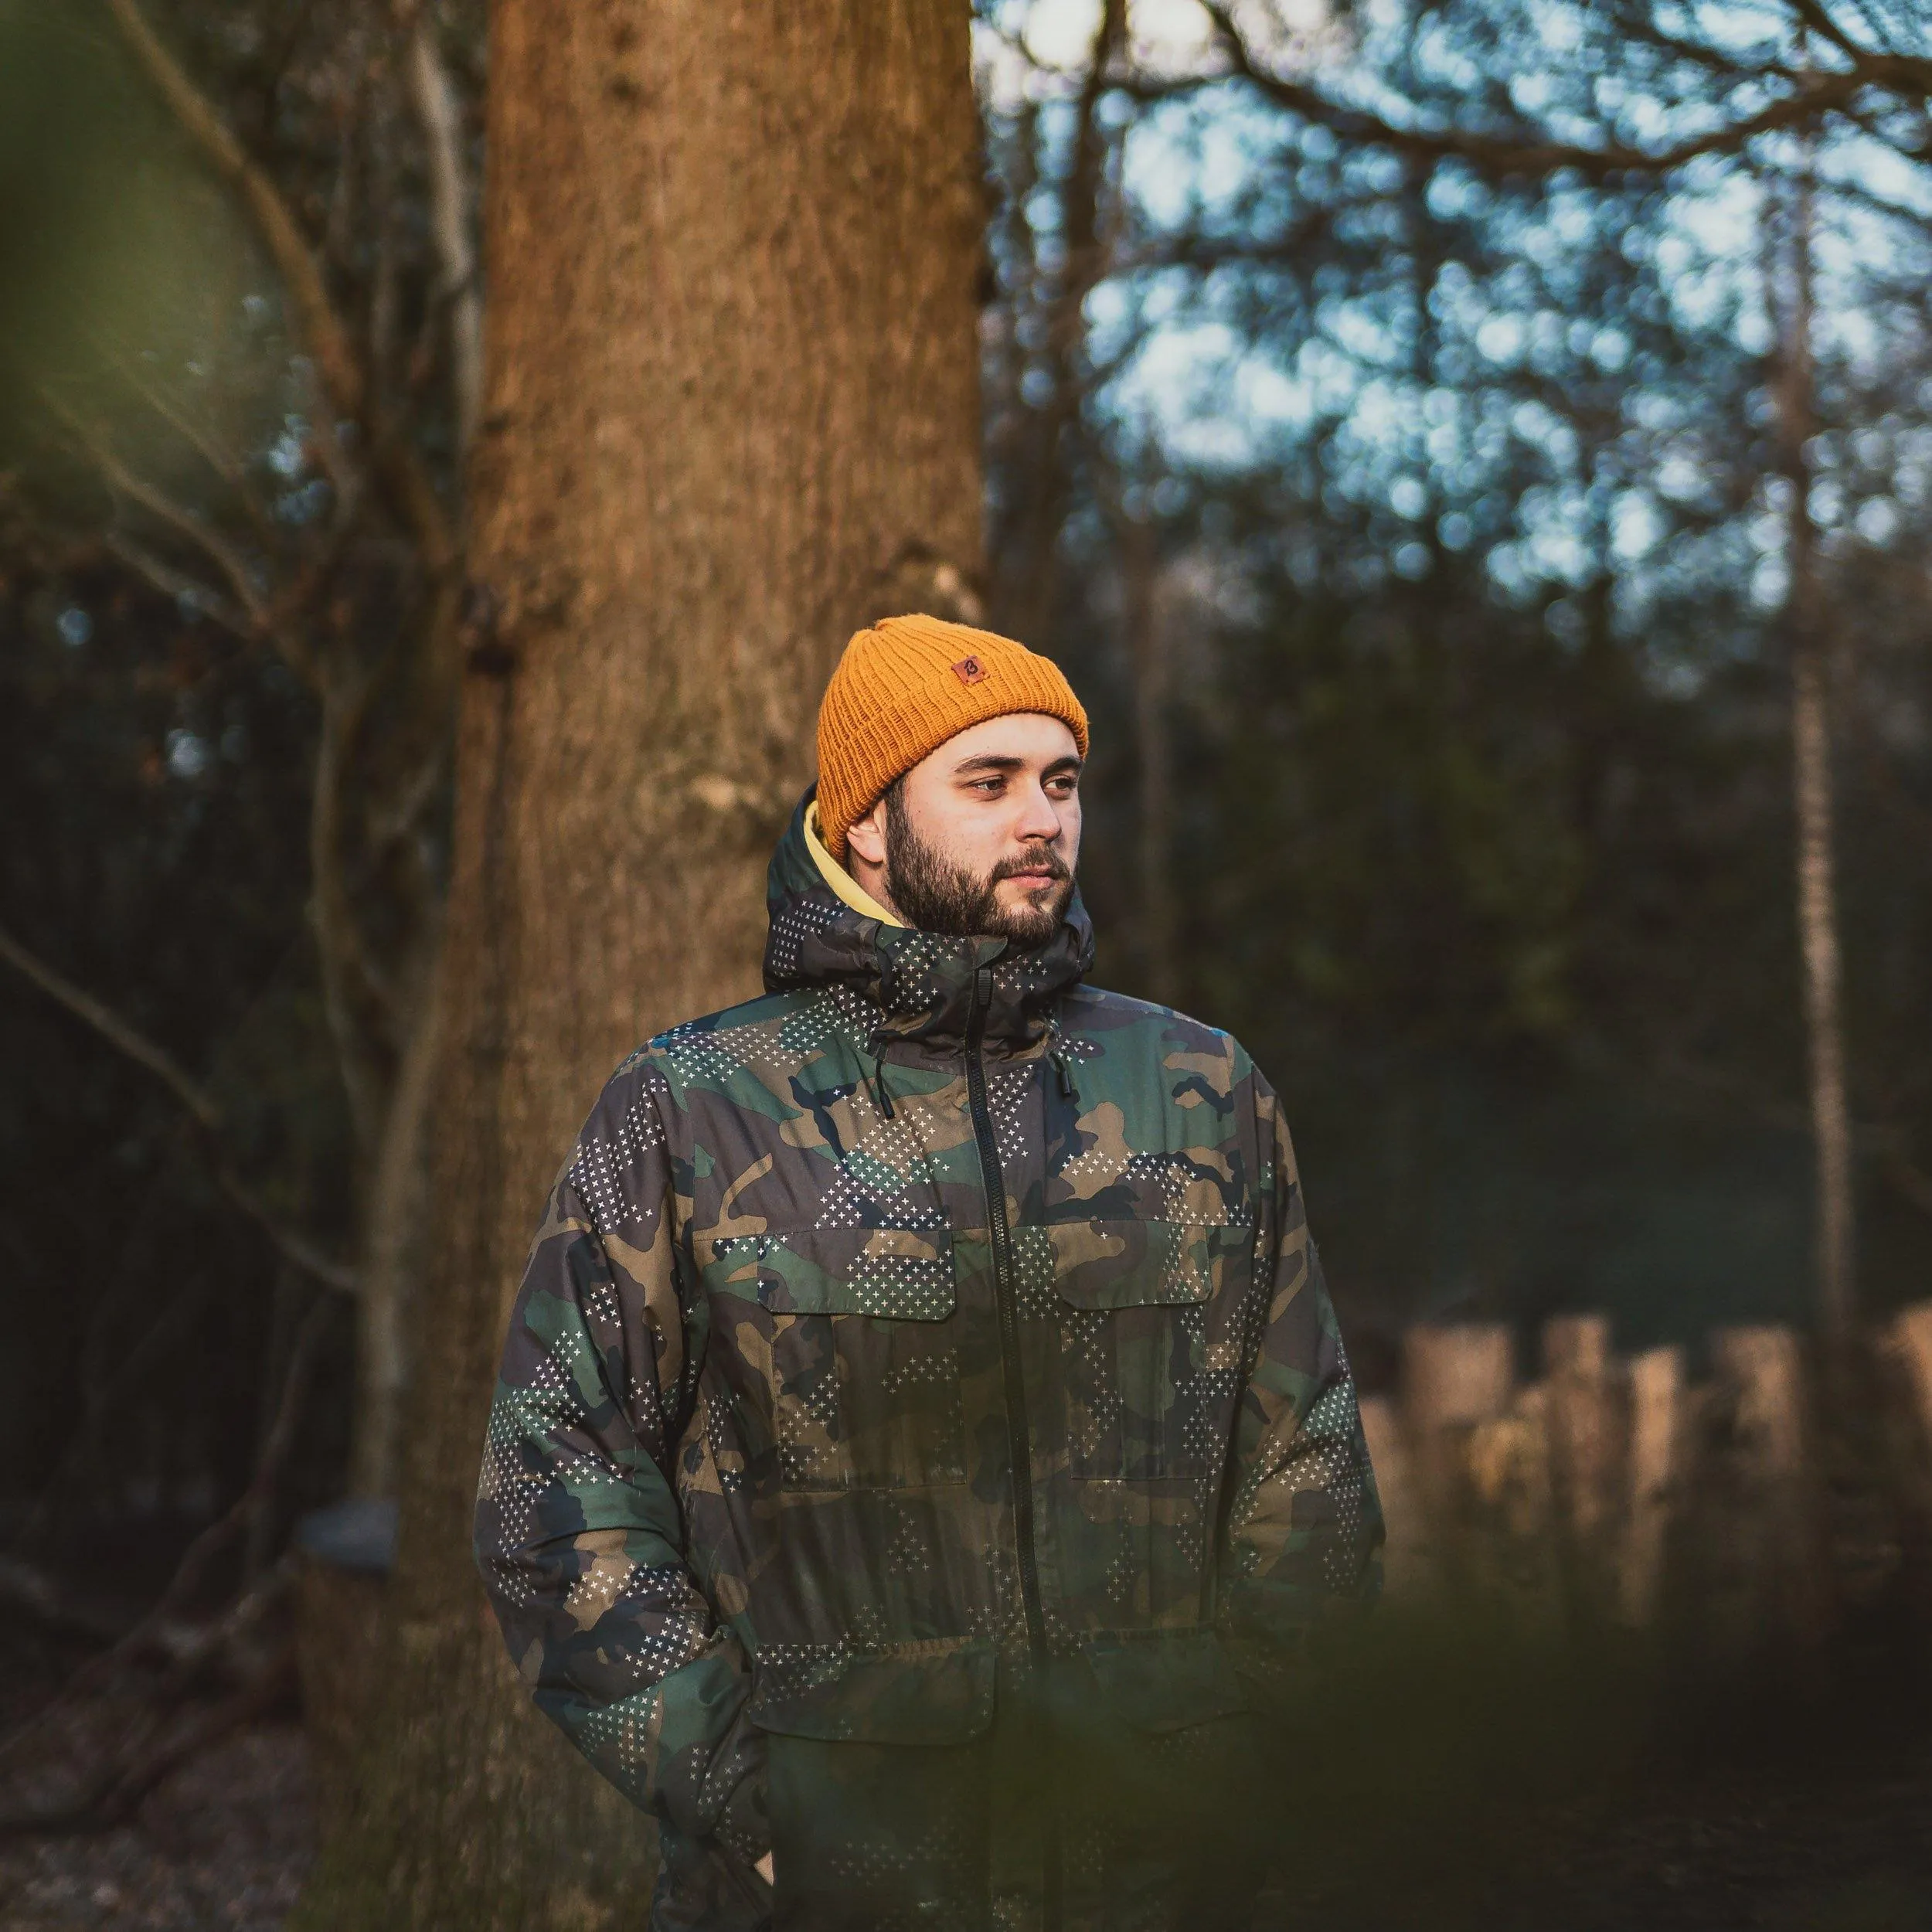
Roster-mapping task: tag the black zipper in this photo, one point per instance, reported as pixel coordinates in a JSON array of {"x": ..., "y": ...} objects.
[
  {"x": 1019, "y": 1445},
  {"x": 1018, "y": 1438}
]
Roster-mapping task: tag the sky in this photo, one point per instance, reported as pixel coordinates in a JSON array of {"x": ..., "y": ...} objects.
[{"x": 1216, "y": 396}]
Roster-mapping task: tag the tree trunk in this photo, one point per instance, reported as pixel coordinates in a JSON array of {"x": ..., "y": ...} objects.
[
  {"x": 1814, "y": 804},
  {"x": 394, "y": 1247},
  {"x": 731, "y": 400},
  {"x": 1148, "y": 642},
  {"x": 1027, "y": 604}
]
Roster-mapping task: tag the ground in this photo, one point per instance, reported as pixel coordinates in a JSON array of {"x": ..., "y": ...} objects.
[
  {"x": 1839, "y": 1841},
  {"x": 1849, "y": 1853},
  {"x": 221, "y": 1846}
]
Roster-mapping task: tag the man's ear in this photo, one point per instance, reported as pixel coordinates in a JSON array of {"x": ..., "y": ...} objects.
[{"x": 866, "y": 836}]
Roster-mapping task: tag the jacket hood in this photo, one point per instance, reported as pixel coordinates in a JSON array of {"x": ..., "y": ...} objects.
[{"x": 921, "y": 983}]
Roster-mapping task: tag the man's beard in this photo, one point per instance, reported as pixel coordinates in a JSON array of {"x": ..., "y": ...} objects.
[{"x": 938, "y": 896}]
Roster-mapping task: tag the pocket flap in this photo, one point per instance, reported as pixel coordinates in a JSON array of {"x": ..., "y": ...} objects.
[
  {"x": 892, "y": 1697},
  {"x": 1166, "y": 1684},
  {"x": 1127, "y": 1264},
  {"x": 899, "y": 1275}
]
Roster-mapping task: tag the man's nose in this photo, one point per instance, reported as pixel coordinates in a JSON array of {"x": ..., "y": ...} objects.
[{"x": 1039, "y": 821}]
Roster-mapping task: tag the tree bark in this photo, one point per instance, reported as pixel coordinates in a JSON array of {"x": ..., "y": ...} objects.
[
  {"x": 1814, "y": 803},
  {"x": 731, "y": 391}
]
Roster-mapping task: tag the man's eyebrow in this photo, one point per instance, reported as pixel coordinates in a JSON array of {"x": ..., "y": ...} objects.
[{"x": 986, "y": 761}]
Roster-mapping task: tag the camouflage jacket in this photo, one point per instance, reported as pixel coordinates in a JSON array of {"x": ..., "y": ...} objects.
[{"x": 921, "y": 1417}]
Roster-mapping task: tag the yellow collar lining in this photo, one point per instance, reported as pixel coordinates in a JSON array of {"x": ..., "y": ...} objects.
[{"x": 840, "y": 880}]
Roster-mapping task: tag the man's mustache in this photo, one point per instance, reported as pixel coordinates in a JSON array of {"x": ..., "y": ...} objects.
[{"x": 1043, "y": 858}]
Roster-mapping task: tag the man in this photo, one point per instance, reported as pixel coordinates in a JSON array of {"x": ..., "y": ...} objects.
[{"x": 923, "y": 1433}]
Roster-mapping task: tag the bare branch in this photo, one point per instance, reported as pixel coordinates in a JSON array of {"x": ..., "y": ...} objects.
[
  {"x": 116, "y": 1031},
  {"x": 43, "y": 1595},
  {"x": 1811, "y": 93},
  {"x": 321, "y": 328},
  {"x": 263, "y": 1691},
  {"x": 1857, "y": 194},
  {"x": 27, "y": 1591},
  {"x": 396, "y": 820},
  {"x": 177, "y": 516},
  {"x": 345, "y": 384},
  {"x": 1204, "y": 253},
  {"x": 258, "y": 617},
  {"x": 293, "y": 1247},
  {"x": 219, "y": 457},
  {"x": 1711, "y": 59},
  {"x": 200, "y": 1554},
  {"x": 261, "y": 1487},
  {"x": 112, "y": 1796},
  {"x": 385, "y": 224},
  {"x": 195, "y": 1101},
  {"x": 181, "y": 585},
  {"x": 439, "y": 113},
  {"x": 339, "y": 945},
  {"x": 205, "y": 443},
  {"x": 340, "y": 221},
  {"x": 1820, "y": 22}
]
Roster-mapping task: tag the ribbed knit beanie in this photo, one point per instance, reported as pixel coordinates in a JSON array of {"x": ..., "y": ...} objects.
[{"x": 906, "y": 684}]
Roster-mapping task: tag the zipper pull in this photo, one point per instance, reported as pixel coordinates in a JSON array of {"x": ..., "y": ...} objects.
[
  {"x": 1069, "y": 1092},
  {"x": 977, "y": 1002}
]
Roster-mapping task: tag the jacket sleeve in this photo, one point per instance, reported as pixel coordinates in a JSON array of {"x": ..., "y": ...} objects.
[
  {"x": 578, "y": 1528},
  {"x": 1302, "y": 1530}
]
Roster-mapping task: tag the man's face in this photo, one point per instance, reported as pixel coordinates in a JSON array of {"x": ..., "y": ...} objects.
[{"x": 982, "y": 836}]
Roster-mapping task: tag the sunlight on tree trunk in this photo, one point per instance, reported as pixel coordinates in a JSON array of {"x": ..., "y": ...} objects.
[
  {"x": 731, "y": 390},
  {"x": 439, "y": 114},
  {"x": 1813, "y": 797}
]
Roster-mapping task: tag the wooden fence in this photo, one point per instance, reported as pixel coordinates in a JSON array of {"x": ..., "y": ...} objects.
[{"x": 1761, "y": 1504}]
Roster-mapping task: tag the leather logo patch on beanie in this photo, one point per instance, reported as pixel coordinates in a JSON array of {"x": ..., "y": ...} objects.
[{"x": 906, "y": 684}]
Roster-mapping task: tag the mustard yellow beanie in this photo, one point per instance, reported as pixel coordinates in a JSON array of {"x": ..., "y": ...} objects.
[{"x": 906, "y": 684}]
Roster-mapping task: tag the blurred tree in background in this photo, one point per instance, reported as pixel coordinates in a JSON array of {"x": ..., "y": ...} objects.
[
  {"x": 1388, "y": 409},
  {"x": 1440, "y": 440},
  {"x": 241, "y": 370}
]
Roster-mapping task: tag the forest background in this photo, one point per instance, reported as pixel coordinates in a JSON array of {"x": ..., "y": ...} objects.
[
  {"x": 1436, "y": 440},
  {"x": 1417, "y": 534}
]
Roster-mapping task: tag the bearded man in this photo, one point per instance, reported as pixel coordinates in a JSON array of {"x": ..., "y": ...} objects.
[{"x": 923, "y": 1436}]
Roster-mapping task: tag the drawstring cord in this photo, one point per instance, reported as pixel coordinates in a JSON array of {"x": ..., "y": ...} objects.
[
  {"x": 1058, "y": 1054},
  {"x": 881, "y": 1098}
]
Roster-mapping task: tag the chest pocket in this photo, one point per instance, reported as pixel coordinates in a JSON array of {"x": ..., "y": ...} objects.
[
  {"x": 1150, "y": 1328},
  {"x": 852, "y": 1330}
]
